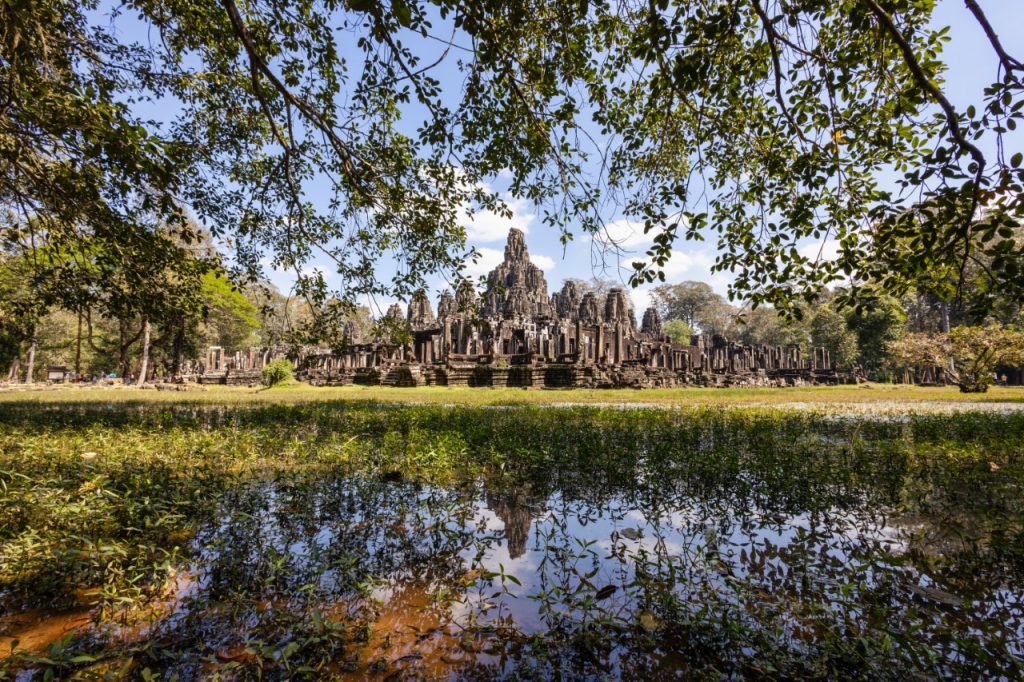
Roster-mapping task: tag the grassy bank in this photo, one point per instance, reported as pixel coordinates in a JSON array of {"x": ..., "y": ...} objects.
[{"x": 868, "y": 394}]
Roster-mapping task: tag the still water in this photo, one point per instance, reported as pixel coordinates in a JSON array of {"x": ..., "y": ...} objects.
[{"x": 670, "y": 555}]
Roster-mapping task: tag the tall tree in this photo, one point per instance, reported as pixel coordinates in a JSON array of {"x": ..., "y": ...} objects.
[
  {"x": 766, "y": 122},
  {"x": 686, "y": 301},
  {"x": 765, "y": 325},
  {"x": 22, "y": 307},
  {"x": 829, "y": 330},
  {"x": 140, "y": 281},
  {"x": 678, "y": 331},
  {"x": 877, "y": 327},
  {"x": 975, "y": 353}
]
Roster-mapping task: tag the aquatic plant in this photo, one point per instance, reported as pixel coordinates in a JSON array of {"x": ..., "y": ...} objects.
[{"x": 328, "y": 539}]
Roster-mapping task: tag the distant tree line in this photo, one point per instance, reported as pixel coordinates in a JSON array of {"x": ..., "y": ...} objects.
[
  {"x": 97, "y": 308},
  {"x": 917, "y": 336},
  {"x": 132, "y": 314}
]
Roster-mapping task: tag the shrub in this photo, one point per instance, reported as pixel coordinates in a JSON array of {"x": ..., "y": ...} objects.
[
  {"x": 979, "y": 351},
  {"x": 277, "y": 372},
  {"x": 976, "y": 353}
]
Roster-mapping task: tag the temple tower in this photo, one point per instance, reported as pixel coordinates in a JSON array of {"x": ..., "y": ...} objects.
[{"x": 518, "y": 278}]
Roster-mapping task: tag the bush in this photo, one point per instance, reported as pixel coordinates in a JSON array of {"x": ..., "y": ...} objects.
[
  {"x": 278, "y": 372},
  {"x": 979, "y": 351},
  {"x": 976, "y": 353}
]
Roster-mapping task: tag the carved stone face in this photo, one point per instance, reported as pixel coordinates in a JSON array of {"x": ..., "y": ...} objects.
[
  {"x": 466, "y": 298},
  {"x": 446, "y": 305},
  {"x": 515, "y": 247},
  {"x": 516, "y": 273},
  {"x": 616, "y": 307},
  {"x": 566, "y": 303},
  {"x": 517, "y": 303},
  {"x": 421, "y": 315},
  {"x": 395, "y": 313},
  {"x": 589, "y": 312},
  {"x": 652, "y": 322}
]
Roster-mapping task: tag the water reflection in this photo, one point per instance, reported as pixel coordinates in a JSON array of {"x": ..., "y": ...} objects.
[
  {"x": 515, "y": 508},
  {"x": 497, "y": 578},
  {"x": 629, "y": 555}
]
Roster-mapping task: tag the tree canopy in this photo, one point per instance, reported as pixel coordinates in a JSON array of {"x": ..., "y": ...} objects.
[{"x": 326, "y": 129}]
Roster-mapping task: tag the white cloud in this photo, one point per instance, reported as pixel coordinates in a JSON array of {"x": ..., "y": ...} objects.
[
  {"x": 682, "y": 263},
  {"x": 626, "y": 234},
  {"x": 487, "y": 260},
  {"x": 487, "y": 226},
  {"x": 641, "y": 300},
  {"x": 681, "y": 266},
  {"x": 542, "y": 262},
  {"x": 720, "y": 282},
  {"x": 829, "y": 250},
  {"x": 629, "y": 234}
]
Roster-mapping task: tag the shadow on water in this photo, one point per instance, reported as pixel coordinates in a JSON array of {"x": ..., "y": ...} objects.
[{"x": 440, "y": 543}]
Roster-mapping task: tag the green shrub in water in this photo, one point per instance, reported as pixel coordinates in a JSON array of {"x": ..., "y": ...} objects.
[{"x": 278, "y": 372}]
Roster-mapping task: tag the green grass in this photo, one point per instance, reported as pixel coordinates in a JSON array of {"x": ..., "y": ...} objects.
[{"x": 869, "y": 394}]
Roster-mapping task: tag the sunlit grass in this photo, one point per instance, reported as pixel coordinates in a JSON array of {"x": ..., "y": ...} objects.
[{"x": 889, "y": 395}]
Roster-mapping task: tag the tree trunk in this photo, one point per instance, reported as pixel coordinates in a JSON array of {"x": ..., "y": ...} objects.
[
  {"x": 950, "y": 372},
  {"x": 15, "y": 370},
  {"x": 78, "y": 348},
  {"x": 145, "y": 353},
  {"x": 31, "y": 368},
  {"x": 123, "y": 347},
  {"x": 179, "y": 354}
]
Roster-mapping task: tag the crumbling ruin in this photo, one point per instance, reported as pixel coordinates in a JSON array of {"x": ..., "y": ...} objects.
[
  {"x": 241, "y": 368},
  {"x": 515, "y": 334}
]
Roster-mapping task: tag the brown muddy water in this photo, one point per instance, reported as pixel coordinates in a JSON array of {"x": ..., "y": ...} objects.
[{"x": 770, "y": 549}]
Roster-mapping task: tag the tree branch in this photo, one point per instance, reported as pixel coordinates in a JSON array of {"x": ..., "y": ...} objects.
[
  {"x": 1008, "y": 62},
  {"x": 772, "y": 36},
  {"x": 921, "y": 78},
  {"x": 317, "y": 118},
  {"x": 952, "y": 123}
]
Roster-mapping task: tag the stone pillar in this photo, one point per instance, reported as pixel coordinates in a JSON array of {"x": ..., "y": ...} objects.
[{"x": 618, "y": 343}]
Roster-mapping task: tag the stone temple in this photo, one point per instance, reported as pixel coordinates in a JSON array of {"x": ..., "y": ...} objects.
[{"x": 517, "y": 334}]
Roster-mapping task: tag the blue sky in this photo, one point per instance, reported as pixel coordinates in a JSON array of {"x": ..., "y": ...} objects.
[{"x": 971, "y": 67}]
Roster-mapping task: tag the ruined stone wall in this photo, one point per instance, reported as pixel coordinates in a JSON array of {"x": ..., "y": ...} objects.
[
  {"x": 240, "y": 368},
  {"x": 516, "y": 335}
]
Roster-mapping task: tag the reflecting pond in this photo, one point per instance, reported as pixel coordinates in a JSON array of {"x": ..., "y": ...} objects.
[{"x": 364, "y": 542}]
